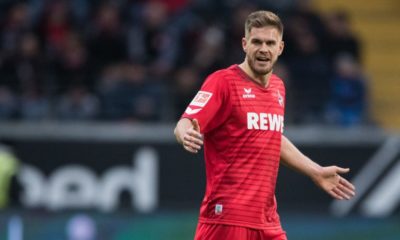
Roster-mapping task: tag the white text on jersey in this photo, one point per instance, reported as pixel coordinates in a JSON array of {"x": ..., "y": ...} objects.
[{"x": 265, "y": 121}]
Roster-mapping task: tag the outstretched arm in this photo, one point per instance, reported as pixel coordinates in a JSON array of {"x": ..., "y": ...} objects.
[
  {"x": 187, "y": 133},
  {"x": 327, "y": 178}
]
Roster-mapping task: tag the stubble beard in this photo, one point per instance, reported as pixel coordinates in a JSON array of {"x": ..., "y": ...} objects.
[{"x": 259, "y": 71}]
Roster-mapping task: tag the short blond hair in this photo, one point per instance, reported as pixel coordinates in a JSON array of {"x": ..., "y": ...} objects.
[{"x": 262, "y": 18}]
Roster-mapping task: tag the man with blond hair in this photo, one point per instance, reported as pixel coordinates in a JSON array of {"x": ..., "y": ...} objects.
[{"x": 238, "y": 115}]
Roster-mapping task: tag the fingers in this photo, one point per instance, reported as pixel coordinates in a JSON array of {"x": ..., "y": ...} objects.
[
  {"x": 346, "y": 187},
  {"x": 192, "y": 141},
  {"x": 190, "y": 149},
  {"x": 347, "y": 184},
  {"x": 343, "y": 189},
  {"x": 193, "y": 138},
  {"x": 335, "y": 195},
  {"x": 337, "y": 186},
  {"x": 342, "y": 170},
  {"x": 340, "y": 194},
  {"x": 344, "y": 192}
]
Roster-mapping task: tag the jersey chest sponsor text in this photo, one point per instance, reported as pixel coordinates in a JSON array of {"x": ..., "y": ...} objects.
[{"x": 265, "y": 121}]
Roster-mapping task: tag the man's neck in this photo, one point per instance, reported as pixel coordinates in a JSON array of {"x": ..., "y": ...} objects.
[{"x": 262, "y": 80}]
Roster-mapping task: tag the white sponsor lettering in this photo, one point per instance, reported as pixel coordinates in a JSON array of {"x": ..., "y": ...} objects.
[
  {"x": 252, "y": 120},
  {"x": 275, "y": 122},
  {"x": 265, "y": 121}
]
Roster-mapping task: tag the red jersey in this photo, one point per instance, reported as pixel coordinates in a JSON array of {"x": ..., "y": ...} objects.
[{"x": 242, "y": 123}]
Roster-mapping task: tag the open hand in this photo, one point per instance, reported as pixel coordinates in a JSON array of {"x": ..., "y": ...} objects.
[
  {"x": 329, "y": 180},
  {"x": 192, "y": 138}
]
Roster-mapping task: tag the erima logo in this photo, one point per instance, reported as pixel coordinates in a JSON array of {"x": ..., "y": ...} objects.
[
  {"x": 264, "y": 121},
  {"x": 248, "y": 94}
]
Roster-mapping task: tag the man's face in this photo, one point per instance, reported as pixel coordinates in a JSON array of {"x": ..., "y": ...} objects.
[{"x": 262, "y": 47}]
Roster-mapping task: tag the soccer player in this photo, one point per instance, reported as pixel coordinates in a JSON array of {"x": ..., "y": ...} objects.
[{"x": 238, "y": 115}]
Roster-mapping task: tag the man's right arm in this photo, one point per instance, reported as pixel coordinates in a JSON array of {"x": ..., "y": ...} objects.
[{"x": 187, "y": 133}]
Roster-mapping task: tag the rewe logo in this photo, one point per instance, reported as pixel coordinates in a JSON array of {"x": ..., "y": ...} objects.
[
  {"x": 264, "y": 121},
  {"x": 248, "y": 94}
]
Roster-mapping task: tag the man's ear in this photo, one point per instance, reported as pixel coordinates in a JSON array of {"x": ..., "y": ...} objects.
[
  {"x": 244, "y": 44},
  {"x": 281, "y": 47}
]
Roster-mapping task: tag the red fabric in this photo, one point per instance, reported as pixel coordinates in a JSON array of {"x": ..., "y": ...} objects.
[
  {"x": 221, "y": 232},
  {"x": 242, "y": 124}
]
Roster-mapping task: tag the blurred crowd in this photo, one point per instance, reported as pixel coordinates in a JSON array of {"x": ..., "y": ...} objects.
[{"x": 143, "y": 60}]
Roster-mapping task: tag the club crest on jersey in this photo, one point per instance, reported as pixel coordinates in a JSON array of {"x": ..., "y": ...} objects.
[
  {"x": 247, "y": 93},
  {"x": 280, "y": 99}
]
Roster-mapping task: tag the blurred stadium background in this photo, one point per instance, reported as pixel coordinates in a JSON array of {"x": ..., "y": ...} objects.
[{"x": 90, "y": 92}]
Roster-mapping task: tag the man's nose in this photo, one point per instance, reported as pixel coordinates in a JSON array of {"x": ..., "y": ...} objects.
[{"x": 264, "y": 48}]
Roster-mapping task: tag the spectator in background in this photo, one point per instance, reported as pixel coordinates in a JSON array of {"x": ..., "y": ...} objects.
[
  {"x": 303, "y": 13},
  {"x": 18, "y": 49},
  {"x": 340, "y": 38},
  {"x": 234, "y": 32},
  {"x": 15, "y": 24},
  {"x": 24, "y": 69},
  {"x": 34, "y": 105},
  {"x": 24, "y": 73},
  {"x": 54, "y": 26},
  {"x": 310, "y": 72},
  {"x": 128, "y": 95},
  {"x": 209, "y": 54},
  {"x": 71, "y": 67},
  {"x": 347, "y": 105},
  {"x": 8, "y": 104},
  {"x": 152, "y": 41},
  {"x": 69, "y": 43},
  {"x": 107, "y": 42},
  {"x": 175, "y": 6},
  {"x": 77, "y": 104}
]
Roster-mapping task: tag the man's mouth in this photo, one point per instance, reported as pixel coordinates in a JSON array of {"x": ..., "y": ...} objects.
[{"x": 263, "y": 59}]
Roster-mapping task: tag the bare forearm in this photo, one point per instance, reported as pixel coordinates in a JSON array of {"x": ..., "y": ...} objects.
[
  {"x": 292, "y": 157},
  {"x": 327, "y": 178}
]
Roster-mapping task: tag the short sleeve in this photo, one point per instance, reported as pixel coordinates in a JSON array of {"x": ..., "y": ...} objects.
[{"x": 211, "y": 104}]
